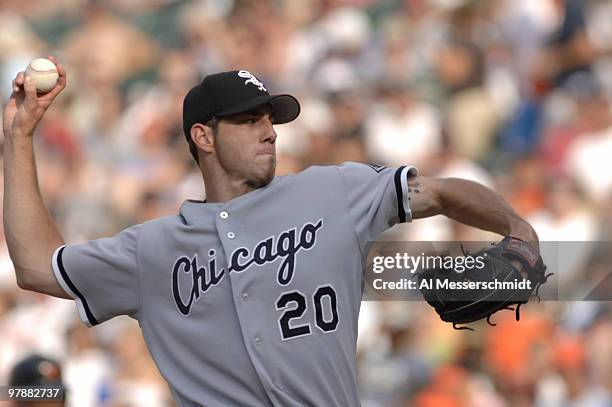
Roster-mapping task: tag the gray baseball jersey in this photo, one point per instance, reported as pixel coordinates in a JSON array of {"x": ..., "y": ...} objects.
[{"x": 250, "y": 302}]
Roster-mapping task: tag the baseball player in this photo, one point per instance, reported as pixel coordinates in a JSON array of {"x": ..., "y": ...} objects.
[{"x": 251, "y": 297}]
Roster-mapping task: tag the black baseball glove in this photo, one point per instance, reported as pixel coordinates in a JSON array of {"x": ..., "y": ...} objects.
[{"x": 472, "y": 295}]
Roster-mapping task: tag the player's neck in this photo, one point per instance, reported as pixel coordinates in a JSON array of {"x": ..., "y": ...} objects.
[
  {"x": 225, "y": 194},
  {"x": 222, "y": 188}
]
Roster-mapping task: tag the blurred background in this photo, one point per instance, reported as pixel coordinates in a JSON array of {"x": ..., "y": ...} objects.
[{"x": 514, "y": 94}]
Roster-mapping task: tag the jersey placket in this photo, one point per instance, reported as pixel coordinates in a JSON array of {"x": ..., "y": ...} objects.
[{"x": 232, "y": 236}]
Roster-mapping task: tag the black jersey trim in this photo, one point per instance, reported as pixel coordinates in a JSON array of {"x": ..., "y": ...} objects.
[
  {"x": 401, "y": 212},
  {"x": 90, "y": 317}
]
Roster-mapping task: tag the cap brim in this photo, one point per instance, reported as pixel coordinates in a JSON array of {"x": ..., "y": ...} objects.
[{"x": 285, "y": 108}]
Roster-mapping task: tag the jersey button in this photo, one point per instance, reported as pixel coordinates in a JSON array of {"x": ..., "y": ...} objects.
[
  {"x": 245, "y": 297},
  {"x": 257, "y": 340},
  {"x": 231, "y": 235},
  {"x": 224, "y": 215}
]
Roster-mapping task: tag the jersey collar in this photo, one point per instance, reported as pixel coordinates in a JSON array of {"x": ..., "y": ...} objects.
[{"x": 198, "y": 211}]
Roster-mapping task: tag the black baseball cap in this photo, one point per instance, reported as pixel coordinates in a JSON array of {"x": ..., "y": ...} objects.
[
  {"x": 228, "y": 93},
  {"x": 36, "y": 370}
]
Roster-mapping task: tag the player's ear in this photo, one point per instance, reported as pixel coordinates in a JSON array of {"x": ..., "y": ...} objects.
[{"x": 202, "y": 137}]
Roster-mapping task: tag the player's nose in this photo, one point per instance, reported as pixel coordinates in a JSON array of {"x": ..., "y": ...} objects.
[{"x": 268, "y": 134}]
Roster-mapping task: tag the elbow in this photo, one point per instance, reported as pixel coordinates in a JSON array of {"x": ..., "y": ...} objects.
[
  {"x": 21, "y": 283},
  {"x": 24, "y": 280}
]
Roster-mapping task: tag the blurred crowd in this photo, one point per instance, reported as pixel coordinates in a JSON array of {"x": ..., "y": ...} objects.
[{"x": 514, "y": 94}]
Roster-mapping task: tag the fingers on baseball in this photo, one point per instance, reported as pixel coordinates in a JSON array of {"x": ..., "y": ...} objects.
[
  {"x": 60, "y": 69},
  {"x": 18, "y": 81},
  {"x": 30, "y": 88},
  {"x": 61, "y": 81}
]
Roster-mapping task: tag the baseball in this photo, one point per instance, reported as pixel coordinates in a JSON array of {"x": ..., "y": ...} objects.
[{"x": 44, "y": 73}]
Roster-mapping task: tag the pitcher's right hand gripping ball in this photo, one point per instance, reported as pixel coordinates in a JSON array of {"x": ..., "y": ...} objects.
[
  {"x": 463, "y": 305},
  {"x": 25, "y": 108}
]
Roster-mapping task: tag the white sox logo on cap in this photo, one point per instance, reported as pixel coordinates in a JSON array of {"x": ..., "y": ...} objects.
[{"x": 250, "y": 78}]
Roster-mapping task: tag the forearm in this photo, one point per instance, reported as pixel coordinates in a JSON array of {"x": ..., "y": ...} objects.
[
  {"x": 31, "y": 233},
  {"x": 475, "y": 205}
]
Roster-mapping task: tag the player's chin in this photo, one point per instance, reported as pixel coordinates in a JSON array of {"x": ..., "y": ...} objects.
[
  {"x": 260, "y": 182},
  {"x": 264, "y": 174}
]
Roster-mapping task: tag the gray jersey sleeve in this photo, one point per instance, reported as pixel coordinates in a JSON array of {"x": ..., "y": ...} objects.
[
  {"x": 101, "y": 276},
  {"x": 377, "y": 197}
]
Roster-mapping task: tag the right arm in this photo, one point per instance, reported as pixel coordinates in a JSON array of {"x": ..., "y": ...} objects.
[{"x": 31, "y": 234}]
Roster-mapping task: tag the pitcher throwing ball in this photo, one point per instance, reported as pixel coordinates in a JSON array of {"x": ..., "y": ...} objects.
[{"x": 251, "y": 297}]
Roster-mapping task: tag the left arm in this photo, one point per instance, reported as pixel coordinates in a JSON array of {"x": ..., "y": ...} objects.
[{"x": 469, "y": 203}]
